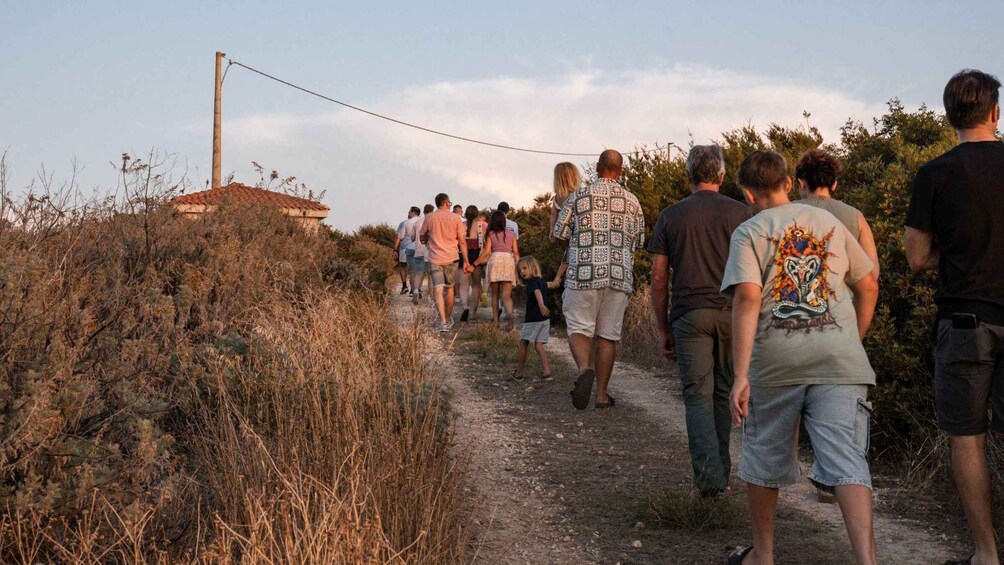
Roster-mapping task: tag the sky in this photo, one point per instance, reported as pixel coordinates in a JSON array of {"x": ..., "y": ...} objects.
[{"x": 83, "y": 82}]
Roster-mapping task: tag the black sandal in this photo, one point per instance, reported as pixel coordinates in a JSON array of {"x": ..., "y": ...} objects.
[
  {"x": 610, "y": 402},
  {"x": 737, "y": 557},
  {"x": 583, "y": 389},
  {"x": 966, "y": 561}
]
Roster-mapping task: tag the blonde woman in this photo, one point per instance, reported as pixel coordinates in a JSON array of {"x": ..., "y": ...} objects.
[{"x": 566, "y": 181}]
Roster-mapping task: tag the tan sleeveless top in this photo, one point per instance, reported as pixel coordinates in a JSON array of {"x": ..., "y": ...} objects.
[{"x": 847, "y": 214}]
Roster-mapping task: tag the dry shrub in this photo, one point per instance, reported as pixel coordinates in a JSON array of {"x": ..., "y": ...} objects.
[
  {"x": 227, "y": 388},
  {"x": 640, "y": 341},
  {"x": 687, "y": 510}
]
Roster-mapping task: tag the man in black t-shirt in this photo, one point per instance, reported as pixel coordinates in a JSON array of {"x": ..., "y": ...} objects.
[
  {"x": 956, "y": 225},
  {"x": 692, "y": 236}
]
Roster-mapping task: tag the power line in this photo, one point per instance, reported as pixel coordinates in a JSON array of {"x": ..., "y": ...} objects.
[{"x": 430, "y": 130}]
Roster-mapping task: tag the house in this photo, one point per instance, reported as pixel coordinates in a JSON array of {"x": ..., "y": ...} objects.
[{"x": 308, "y": 212}]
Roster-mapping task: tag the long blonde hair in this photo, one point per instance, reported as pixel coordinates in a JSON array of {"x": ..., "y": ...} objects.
[
  {"x": 566, "y": 181},
  {"x": 530, "y": 264}
]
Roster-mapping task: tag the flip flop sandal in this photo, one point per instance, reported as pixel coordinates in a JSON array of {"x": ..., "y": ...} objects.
[
  {"x": 737, "y": 557},
  {"x": 966, "y": 561},
  {"x": 547, "y": 377},
  {"x": 516, "y": 375},
  {"x": 610, "y": 402},
  {"x": 583, "y": 389}
]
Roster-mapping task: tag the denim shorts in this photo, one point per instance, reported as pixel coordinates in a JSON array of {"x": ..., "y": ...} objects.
[
  {"x": 838, "y": 419},
  {"x": 415, "y": 264}
]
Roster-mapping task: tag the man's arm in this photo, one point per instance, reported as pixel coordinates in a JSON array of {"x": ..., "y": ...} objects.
[
  {"x": 745, "y": 313},
  {"x": 462, "y": 245},
  {"x": 423, "y": 235},
  {"x": 660, "y": 302},
  {"x": 921, "y": 252},
  {"x": 865, "y": 297}
]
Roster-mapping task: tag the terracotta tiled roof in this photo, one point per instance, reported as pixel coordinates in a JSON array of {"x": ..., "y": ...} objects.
[{"x": 237, "y": 192}]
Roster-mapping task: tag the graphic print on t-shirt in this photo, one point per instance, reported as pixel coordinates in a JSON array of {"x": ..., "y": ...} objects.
[{"x": 801, "y": 292}]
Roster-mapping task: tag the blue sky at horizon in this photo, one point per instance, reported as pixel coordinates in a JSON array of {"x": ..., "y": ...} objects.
[{"x": 88, "y": 81}]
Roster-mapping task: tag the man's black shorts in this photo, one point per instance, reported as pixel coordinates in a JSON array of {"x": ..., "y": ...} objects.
[{"x": 969, "y": 378}]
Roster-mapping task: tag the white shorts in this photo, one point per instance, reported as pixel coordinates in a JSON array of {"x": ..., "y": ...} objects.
[{"x": 595, "y": 312}]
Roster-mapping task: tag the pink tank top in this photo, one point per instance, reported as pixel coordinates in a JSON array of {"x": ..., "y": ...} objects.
[{"x": 501, "y": 241}]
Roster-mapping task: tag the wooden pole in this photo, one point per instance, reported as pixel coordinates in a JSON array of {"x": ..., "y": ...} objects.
[{"x": 218, "y": 119}]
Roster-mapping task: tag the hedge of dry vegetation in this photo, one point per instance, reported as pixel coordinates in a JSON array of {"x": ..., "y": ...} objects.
[{"x": 218, "y": 390}]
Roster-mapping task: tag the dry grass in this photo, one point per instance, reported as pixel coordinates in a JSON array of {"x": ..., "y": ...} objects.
[
  {"x": 219, "y": 390},
  {"x": 640, "y": 340},
  {"x": 686, "y": 509}
]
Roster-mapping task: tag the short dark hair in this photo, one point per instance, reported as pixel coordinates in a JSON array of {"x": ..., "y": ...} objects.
[
  {"x": 455, "y": 206},
  {"x": 763, "y": 172},
  {"x": 969, "y": 98},
  {"x": 496, "y": 222},
  {"x": 415, "y": 210},
  {"x": 441, "y": 199},
  {"x": 429, "y": 208},
  {"x": 818, "y": 169},
  {"x": 503, "y": 207}
]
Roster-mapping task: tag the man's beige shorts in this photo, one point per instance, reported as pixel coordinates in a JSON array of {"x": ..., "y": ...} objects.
[
  {"x": 443, "y": 275},
  {"x": 595, "y": 312}
]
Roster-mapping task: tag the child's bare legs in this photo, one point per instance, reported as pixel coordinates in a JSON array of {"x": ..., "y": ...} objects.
[
  {"x": 545, "y": 365},
  {"x": 507, "y": 303},
  {"x": 493, "y": 290},
  {"x": 524, "y": 346},
  {"x": 475, "y": 292},
  {"x": 463, "y": 283}
]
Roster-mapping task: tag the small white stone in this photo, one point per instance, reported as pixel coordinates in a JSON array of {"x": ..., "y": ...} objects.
[
  {"x": 639, "y": 525},
  {"x": 559, "y": 436},
  {"x": 567, "y": 539},
  {"x": 636, "y": 544}
]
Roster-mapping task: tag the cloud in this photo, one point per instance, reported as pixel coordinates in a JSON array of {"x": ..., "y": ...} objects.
[{"x": 369, "y": 164}]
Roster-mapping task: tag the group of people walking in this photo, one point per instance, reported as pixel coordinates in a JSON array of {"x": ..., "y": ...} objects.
[
  {"x": 457, "y": 251},
  {"x": 765, "y": 305}
]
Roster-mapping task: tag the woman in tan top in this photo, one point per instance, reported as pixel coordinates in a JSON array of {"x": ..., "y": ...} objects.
[{"x": 816, "y": 173}]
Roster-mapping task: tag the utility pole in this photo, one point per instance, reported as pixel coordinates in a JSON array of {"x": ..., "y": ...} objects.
[{"x": 218, "y": 119}]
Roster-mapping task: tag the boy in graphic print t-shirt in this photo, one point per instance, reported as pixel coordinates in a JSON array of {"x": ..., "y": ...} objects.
[{"x": 802, "y": 298}]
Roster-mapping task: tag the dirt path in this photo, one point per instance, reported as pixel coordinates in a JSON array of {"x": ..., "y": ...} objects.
[{"x": 556, "y": 485}]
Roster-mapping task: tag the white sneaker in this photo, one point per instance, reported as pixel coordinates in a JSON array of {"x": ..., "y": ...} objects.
[{"x": 440, "y": 327}]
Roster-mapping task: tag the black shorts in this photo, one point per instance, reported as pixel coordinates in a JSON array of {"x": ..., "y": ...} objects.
[
  {"x": 472, "y": 255},
  {"x": 969, "y": 378}
]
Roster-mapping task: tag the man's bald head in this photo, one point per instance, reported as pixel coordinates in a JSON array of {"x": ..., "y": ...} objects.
[{"x": 610, "y": 164}]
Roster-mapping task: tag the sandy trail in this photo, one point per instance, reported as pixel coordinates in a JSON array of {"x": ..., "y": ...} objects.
[{"x": 554, "y": 485}]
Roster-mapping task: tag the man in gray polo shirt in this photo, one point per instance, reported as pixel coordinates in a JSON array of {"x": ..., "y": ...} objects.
[{"x": 692, "y": 238}]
